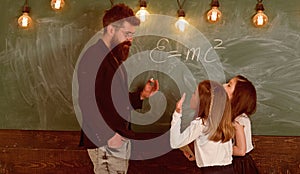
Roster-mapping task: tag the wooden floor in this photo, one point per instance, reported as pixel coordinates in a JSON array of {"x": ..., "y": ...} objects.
[{"x": 57, "y": 152}]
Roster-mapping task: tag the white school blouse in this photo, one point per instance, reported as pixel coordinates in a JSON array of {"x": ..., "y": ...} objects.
[
  {"x": 245, "y": 121},
  {"x": 207, "y": 152}
]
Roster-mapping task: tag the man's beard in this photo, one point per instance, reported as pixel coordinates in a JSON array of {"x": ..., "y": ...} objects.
[{"x": 121, "y": 50}]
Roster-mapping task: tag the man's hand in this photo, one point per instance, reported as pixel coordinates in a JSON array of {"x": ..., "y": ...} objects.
[{"x": 151, "y": 87}]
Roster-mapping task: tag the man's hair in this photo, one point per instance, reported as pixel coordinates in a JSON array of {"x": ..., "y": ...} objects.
[{"x": 120, "y": 13}]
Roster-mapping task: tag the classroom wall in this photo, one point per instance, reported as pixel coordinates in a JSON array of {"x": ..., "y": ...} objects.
[{"x": 37, "y": 64}]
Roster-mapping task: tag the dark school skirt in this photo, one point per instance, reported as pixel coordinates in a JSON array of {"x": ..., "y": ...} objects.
[
  {"x": 228, "y": 169},
  {"x": 244, "y": 164}
]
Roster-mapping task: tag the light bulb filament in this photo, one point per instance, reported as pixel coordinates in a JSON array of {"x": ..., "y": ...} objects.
[
  {"x": 181, "y": 24},
  {"x": 214, "y": 14},
  {"x": 260, "y": 20},
  {"x": 142, "y": 14},
  {"x": 24, "y": 22},
  {"x": 57, "y": 4}
]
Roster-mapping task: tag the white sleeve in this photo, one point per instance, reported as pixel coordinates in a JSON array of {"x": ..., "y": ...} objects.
[
  {"x": 245, "y": 121},
  {"x": 240, "y": 120},
  {"x": 178, "y": 139}
]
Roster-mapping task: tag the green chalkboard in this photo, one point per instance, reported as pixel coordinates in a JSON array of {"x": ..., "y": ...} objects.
[{"x": 37, "y": 64}]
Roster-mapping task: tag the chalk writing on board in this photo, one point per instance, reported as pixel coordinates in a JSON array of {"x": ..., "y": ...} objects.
[{"x": 191, "y": 53}]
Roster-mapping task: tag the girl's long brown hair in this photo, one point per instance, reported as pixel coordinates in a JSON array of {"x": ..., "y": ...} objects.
[
  {"x": 243, "y": 97},
  {"x": 215, "y": 111}
]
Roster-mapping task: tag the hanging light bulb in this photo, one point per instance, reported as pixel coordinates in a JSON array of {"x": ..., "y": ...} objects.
[
  {"x": 25, "y": 20},
  {"x": 181, "y": 23},
  {"x": 57, "y": 4},
  {"x": 142, "y": 13},
  {"x": 260, "y": 18},
  {"x": 214, "y": 14}
]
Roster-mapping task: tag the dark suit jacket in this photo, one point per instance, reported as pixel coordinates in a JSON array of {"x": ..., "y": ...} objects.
[{"x": 113, "y": 99}]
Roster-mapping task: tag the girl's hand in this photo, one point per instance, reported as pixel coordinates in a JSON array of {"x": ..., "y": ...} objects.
[
  {"x": 188, "y": 153},
  {"x": 179, "y": 104}
]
